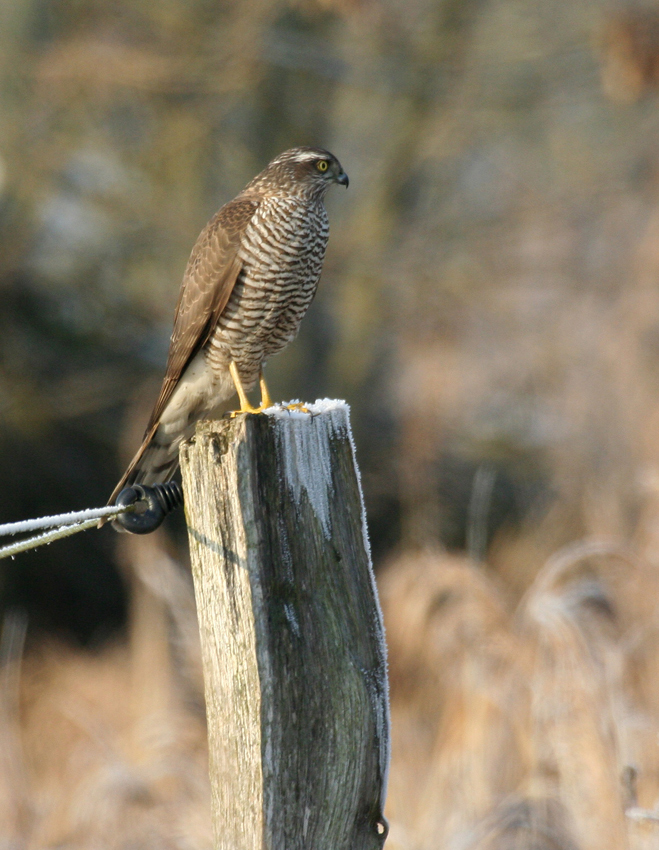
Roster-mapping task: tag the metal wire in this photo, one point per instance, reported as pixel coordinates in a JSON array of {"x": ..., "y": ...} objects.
[
  {"x": 77, "y": 521},
  {"x": 58, "y": 519}
]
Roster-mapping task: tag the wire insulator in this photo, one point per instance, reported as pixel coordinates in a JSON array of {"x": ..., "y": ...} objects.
[{"x": 159, "y": 500}]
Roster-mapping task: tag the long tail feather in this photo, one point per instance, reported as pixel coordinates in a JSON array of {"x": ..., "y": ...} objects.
[{"x": 154, "y": 463}]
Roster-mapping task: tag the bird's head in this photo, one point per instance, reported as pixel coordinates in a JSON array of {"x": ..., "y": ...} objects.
[{"x": 302, "y": 171}]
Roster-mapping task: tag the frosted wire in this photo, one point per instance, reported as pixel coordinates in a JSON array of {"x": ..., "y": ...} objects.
[
  {"x": 58, "y": 519},
  {"x": 92, "y": 517}
]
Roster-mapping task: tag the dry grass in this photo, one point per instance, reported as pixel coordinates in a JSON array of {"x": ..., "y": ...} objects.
[
  {"x": 528, "y": 725},
  {"x": 109, "y": 750},
  {"x": 521, "y": 726}
]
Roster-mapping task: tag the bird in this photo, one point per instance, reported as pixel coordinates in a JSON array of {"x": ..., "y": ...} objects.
[{"x": 250, "y": 279}]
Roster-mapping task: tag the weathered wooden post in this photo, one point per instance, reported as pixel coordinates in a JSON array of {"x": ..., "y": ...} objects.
[{"x": 291, "y": 634}]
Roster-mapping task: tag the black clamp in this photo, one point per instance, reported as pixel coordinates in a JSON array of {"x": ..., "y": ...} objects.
[{"x": 153, "y": 504}]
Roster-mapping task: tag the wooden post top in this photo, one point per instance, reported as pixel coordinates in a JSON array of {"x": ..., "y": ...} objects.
[{"x": 291, "y": 631}]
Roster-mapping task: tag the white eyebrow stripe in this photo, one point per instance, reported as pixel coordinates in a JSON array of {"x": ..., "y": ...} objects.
[{"x": 307, "y": 155}]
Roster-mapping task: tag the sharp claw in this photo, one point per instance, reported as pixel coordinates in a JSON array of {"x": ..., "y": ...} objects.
[
  {"x": 245, "y": 406},
  {"x": 231, "y": 414}
]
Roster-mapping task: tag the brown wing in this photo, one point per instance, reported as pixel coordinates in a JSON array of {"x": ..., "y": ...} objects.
[{"x": 209, "y": 278}]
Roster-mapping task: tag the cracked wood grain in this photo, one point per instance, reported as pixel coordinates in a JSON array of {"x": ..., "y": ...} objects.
[{"x": 291, "y": 634}]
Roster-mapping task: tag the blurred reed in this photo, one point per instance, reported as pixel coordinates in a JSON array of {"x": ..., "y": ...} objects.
[
  {"x": 516, "y": 725},
  {"x": 108, "y": 749},
  {"x": 523, "y": 725}
]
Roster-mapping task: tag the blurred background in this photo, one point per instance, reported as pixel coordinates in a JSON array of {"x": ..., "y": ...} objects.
[{"x": 489, "y": 308}]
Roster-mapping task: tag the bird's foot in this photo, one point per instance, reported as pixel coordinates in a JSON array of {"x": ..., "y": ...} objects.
[
  {"x": 245, "y": 405},
  {"x": 297, "y": 405},
  {"x": 231, "y": 414}
]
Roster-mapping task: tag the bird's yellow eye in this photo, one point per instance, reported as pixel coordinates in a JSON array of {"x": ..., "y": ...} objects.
[{"x": 322, "y": 165}]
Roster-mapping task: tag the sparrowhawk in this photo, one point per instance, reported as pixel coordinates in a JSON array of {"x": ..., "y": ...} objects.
[{"x": 250, "y": 279}]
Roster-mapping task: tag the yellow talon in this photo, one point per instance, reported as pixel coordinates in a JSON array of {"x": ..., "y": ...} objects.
[
  {"x": 298, "y": 405},
  {"x": 266, "y": 401},
  {"x": 245, "y": 405}
]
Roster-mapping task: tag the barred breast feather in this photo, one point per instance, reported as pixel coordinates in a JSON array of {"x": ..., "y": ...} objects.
[{"x": 282, "y": 253}]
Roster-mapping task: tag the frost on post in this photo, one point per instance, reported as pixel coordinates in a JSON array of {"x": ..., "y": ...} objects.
[
  {"x": 292, "y": 636},
  {"x": 305, "y": 456},
  {"x": 304, "y": 451}
]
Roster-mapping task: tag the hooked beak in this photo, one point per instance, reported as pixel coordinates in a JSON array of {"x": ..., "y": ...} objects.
[{"x": 342, "y": 179}]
